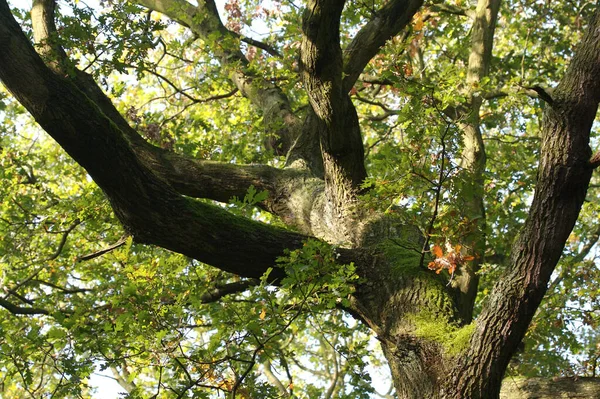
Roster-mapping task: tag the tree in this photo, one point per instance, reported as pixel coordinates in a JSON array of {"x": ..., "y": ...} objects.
[{"x": 376, "y": 162}]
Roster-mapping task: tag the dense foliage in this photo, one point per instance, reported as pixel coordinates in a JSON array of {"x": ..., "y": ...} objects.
[{"x": 80, "y": 297}]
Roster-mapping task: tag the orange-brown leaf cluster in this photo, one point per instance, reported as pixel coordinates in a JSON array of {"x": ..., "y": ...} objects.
[{"x": 448, "y": 261}]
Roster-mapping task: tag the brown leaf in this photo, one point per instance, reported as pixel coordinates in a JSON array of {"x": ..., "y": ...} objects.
[{"x": 437, "y": 251}]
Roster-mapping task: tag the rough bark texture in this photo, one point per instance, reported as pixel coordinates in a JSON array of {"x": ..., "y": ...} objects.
[
  {"x": 318, "y": 192},
  {"x": 558, "y": 388},
  {"x": 388, "y": 302}
]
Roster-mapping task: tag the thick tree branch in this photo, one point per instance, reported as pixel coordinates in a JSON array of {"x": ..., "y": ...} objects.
[
  {"x": 45, "y": 36},
  {"x": 387, "y": 22},
  {"x": 333, "y": 117},
  {"x": 563, "y": 177},
  {"x": 193, "y": 177},
  {"x": 294, "y": 194},
  {"x": 123, "y": 378},
  {"x": 550, "y": 388},
  {"x": 273, "y": 380},
  {"x": 148, "y": 207},
  {"x": 482, "y": 39},
  {"x": 18, "y": 310},
  {"x": 196, "y": 178}
]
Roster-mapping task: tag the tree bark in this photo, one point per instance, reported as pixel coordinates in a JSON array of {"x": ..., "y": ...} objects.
[{"x": 556, "y": 388}]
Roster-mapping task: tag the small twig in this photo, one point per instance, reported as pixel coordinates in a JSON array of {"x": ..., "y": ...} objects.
[
  {"x": 451, "y": 9},
  {"x": 232, "y": 288},
  {"x": 382, "y": 138},
  {"x": 372, "y": 102},
  {"x": 63, "y": 289},
  {"x": 405, "y": 246},
  {"x": 55, "y": 255},
  {"x": 63, "y": 240},
  {"x": 256, "y": 43},
  {"x": 101, "y": 252}
]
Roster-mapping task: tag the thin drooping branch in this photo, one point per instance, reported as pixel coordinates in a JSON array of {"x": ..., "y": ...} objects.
[
  {"x": 386, "y": 23},
  {"x": 148, "y": 207},
  {"x": 437, "y": 188},
  {"x": 258, "y": 44},
  {"x": 63, "y": 240},
  {"x": 204, "y": 21},
  {"x": 64, "y": 290},
  {"x": 39, "y": 269},
  {"x": 568, "y": 263},
  {"x": 103, "y": 251},
  {"x": 563, "y": 177},
  {"x": 591, "y": 240},
  {"x": 179, "y": 90}
]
